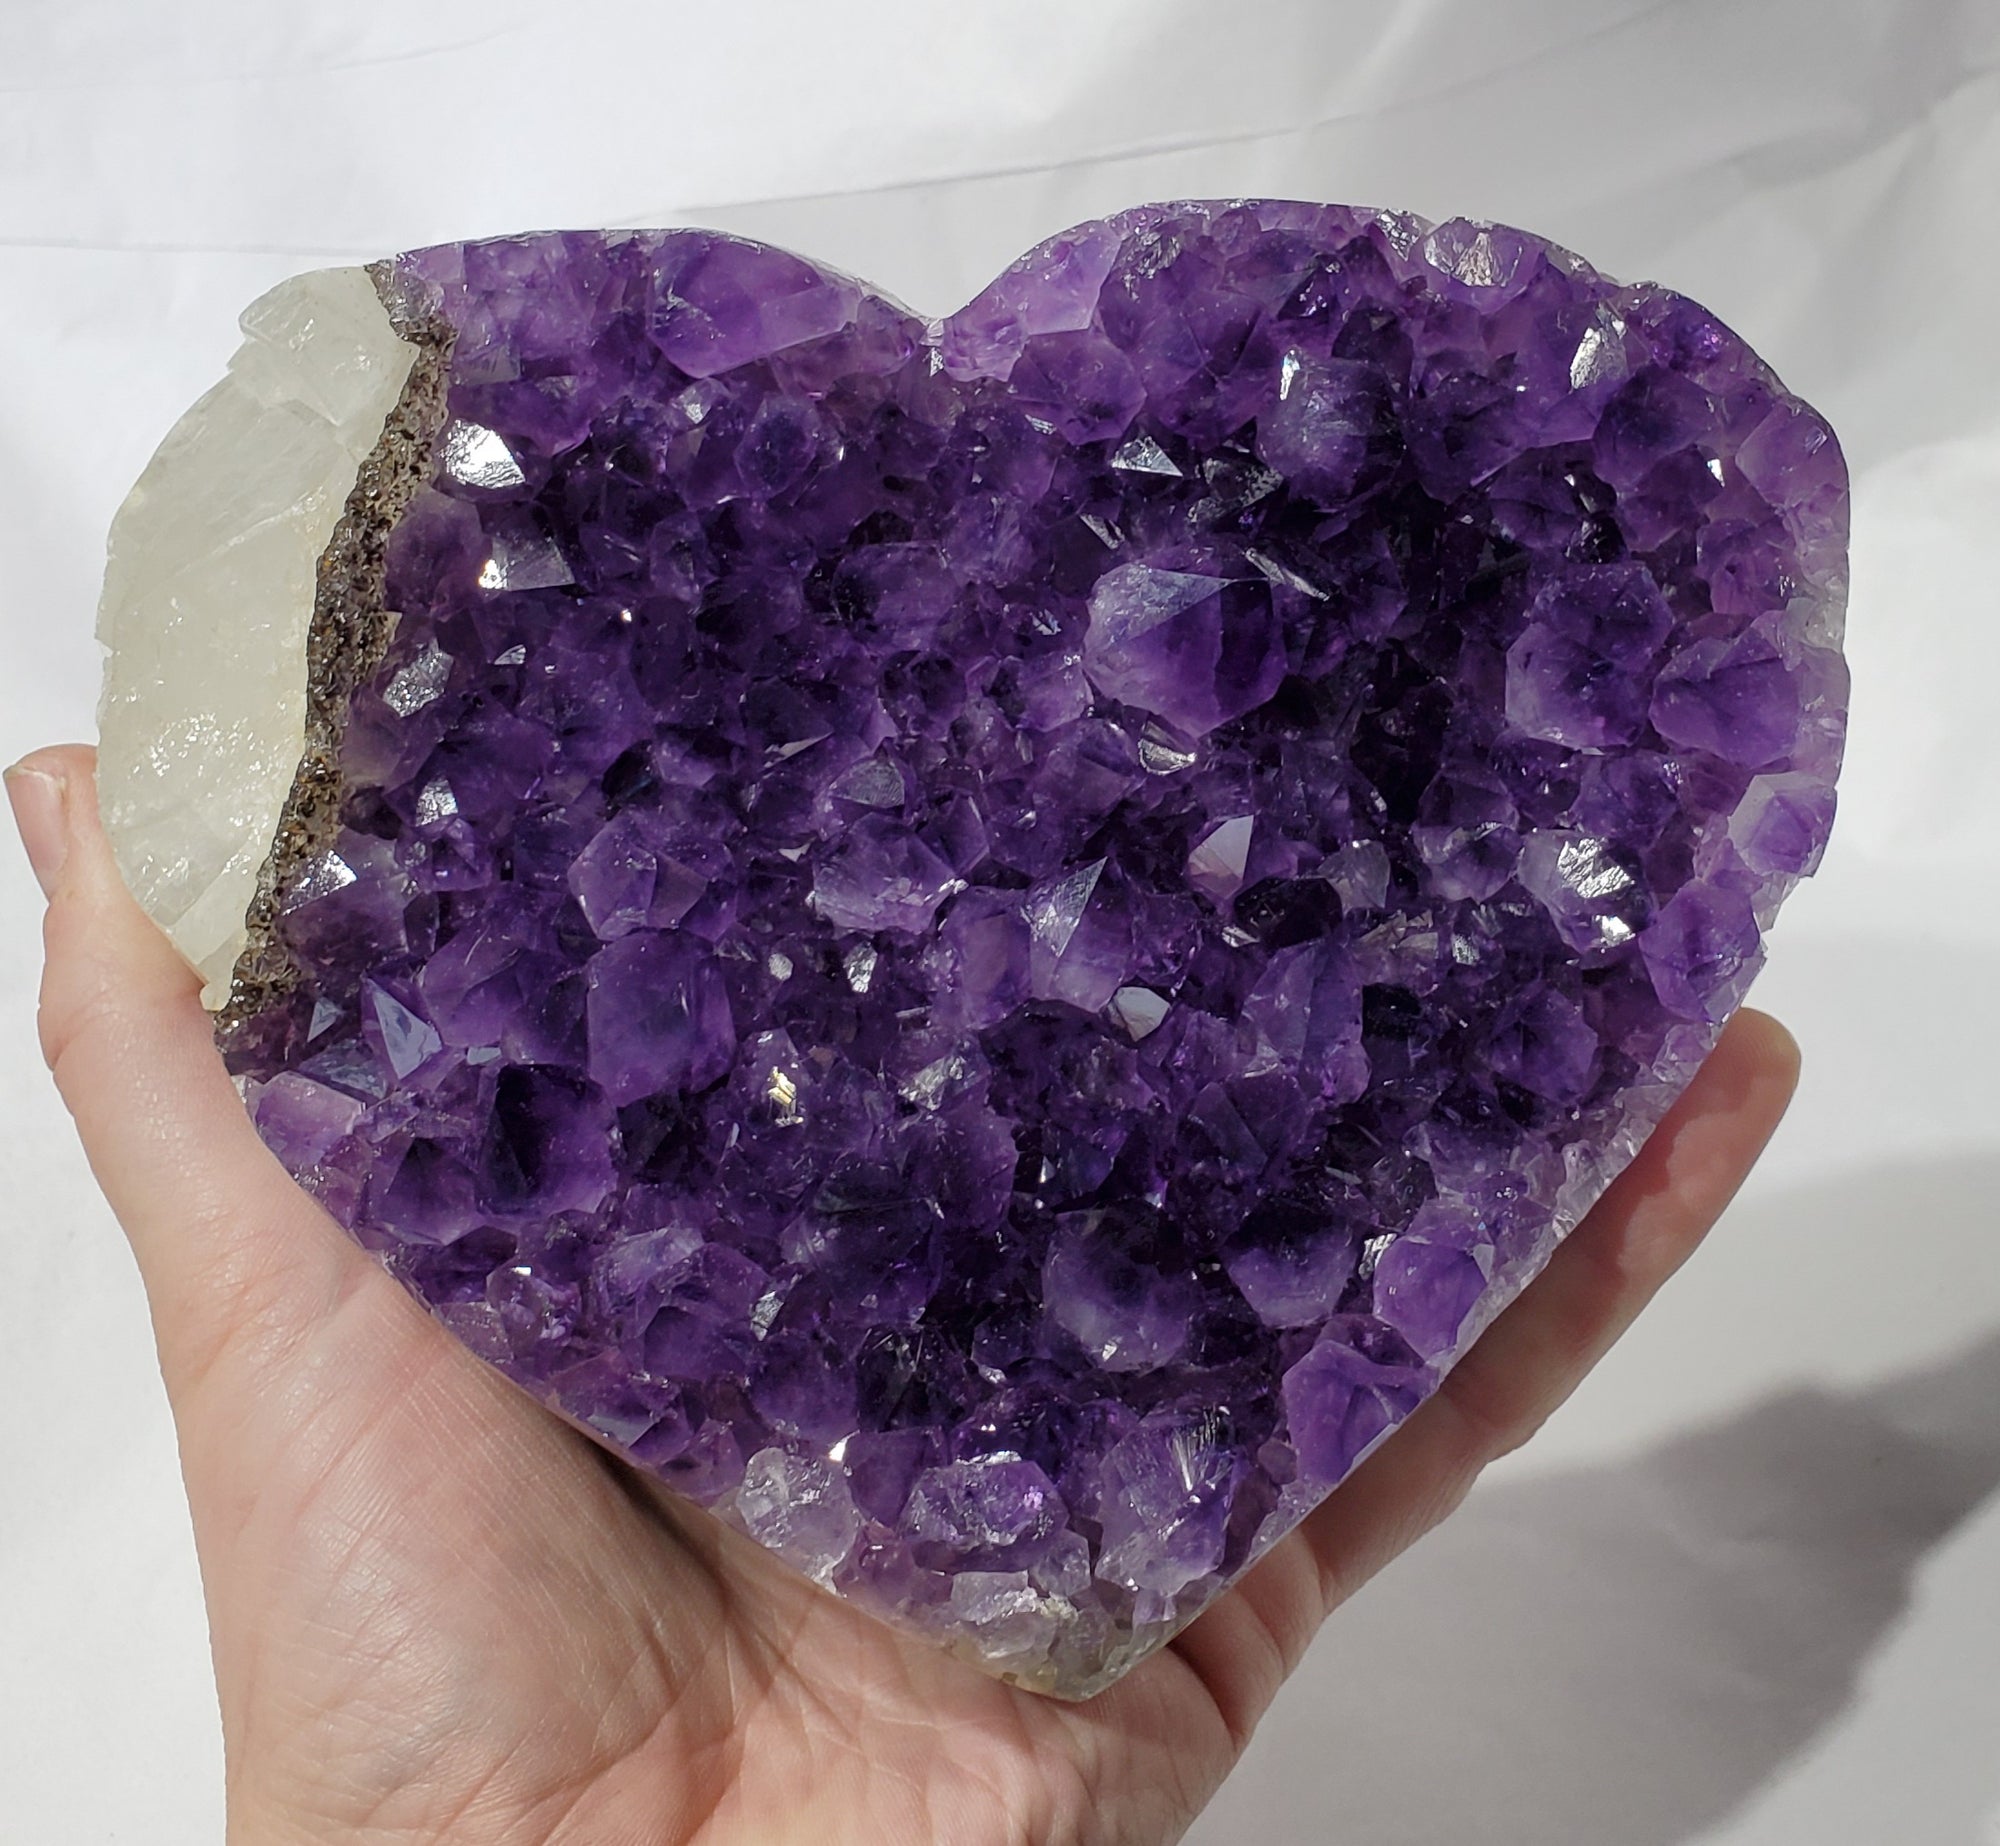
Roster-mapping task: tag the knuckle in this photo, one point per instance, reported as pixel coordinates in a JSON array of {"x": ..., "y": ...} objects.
[{"x": 72, "y": 1025}]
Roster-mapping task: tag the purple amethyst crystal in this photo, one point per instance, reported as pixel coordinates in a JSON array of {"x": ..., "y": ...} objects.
[{"x": 987, "y": 945}]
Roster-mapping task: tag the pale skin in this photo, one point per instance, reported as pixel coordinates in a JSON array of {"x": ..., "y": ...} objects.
[{"x": 439, "y": 1614}]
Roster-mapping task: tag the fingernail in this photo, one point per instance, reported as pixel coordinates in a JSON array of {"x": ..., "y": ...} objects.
[{"x": 37, "y": 799}]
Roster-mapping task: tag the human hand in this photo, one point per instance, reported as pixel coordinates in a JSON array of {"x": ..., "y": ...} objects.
[{"x": 438, "y": 1613}]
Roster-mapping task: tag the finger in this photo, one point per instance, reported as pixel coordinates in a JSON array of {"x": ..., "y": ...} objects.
[
  {"x": 229, "y": 1248},
  {"x": 1649, "y": 1221}
]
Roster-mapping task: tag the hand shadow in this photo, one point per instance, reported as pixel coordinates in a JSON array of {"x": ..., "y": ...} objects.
[{"x": 1622, "y": 1655}]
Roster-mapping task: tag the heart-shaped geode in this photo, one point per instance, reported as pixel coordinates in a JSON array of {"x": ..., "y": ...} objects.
[{"x": 983, "y": 944}]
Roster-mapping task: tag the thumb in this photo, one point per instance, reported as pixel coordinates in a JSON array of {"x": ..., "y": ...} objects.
[{"x": 229, "y": 1248}]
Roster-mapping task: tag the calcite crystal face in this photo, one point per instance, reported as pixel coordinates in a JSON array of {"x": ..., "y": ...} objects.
[{"x": 986, "y": 945}]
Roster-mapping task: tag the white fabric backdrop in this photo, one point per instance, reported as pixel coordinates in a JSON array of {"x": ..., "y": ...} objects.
[{"x": 1746, "y": 1589}]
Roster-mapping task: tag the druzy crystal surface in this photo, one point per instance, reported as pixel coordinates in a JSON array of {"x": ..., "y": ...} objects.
[{"x": 987, "y": 944}]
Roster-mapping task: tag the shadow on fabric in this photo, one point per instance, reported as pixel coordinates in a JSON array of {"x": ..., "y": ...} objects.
[{"x": 1628, "y": 1653}]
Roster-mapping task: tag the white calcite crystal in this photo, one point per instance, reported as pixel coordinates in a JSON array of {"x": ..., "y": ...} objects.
[{"x": 208, "y": 595}]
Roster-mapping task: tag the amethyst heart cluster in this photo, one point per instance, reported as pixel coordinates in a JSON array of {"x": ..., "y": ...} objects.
[{"x": 985, "y": 944}]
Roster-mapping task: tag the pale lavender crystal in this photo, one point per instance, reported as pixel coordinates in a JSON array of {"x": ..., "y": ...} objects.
[{"x": 987, "y": 946}]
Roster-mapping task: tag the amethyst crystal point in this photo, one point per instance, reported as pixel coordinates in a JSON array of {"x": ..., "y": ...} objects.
[{"x": 986, "y": 946}]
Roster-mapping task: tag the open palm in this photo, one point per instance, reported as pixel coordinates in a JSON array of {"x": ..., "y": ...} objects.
[{"x": 440, "y": 1614}]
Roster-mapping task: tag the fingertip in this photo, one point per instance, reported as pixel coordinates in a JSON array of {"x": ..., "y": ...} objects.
[
  {"x": 53, "y": 775},
  {"x": 119, "y": 1002},
  {"x": 59, "y": 760},
  {"x": 1772, "y": 1033},
  {"x": 121, "y": 1021},
  {"x": 103, "y": 954},
  {"x": 1715, "y": 1131},
  {"x": 36, "y": 793},
  {"x": 1765, "y": 1051}
]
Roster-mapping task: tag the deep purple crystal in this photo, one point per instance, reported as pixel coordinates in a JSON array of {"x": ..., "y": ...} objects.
[{"x": 987, "y": 946}]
